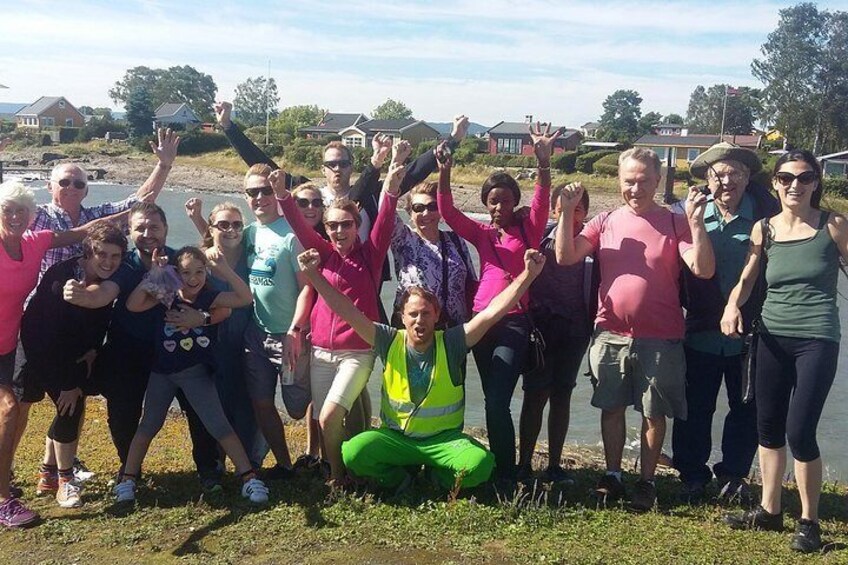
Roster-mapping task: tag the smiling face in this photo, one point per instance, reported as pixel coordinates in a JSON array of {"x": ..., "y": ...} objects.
[
  {"x": 341, "y": 227},
  {"x": 794, "y": 191},
  {"x": 419, "y": 319},
  {"x": 424, "y": 213},
  {"x": 638, "y": 184},
  {"x": 308, "y": 201},
  {"x": 264, "y": 206},
  {"x": 727, "y": 181},
  {"x": 103, "y": 262},
  {"x": 148, "y": 232},
  {"x": 70, "y": 196},
  {"x": 227, "y": 229},
  {"x": 14, "y": 218},
  {"x": 500, "y": 202},
  {"x": 192, "y": 271},
  {"x": 338, "y": 174}
]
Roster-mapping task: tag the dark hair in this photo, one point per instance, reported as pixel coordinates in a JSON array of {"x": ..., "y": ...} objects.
[
  {"x": 804, "y": 156},
  {"x": 411, "y": 291},
  {"x": 103, "y": 232},
  {"x": 193, "y": 252},
  {"x": 500, "y": 180},
  {"x": 148, "y": 209}
]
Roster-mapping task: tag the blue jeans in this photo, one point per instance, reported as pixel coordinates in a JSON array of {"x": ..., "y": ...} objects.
[
  {"x": 692, "y": 438},
  {"x": 500, "y": 355}
]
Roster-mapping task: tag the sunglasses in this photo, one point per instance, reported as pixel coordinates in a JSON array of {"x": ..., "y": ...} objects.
[
  {"x": 65, "y": 183},
  {"x": 224, "y": 225},
  {"x": 340, "y": 164},
  {"x": 255, "y": 192},
  {"x": 306, "y": 202},
  {"x": 786, "y": 179},
  {"x": 419, "y": 208},
  {"x": 344, "y": 224}
]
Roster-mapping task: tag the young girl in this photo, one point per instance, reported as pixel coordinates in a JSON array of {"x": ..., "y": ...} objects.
[{"x": 184, "y": 361}]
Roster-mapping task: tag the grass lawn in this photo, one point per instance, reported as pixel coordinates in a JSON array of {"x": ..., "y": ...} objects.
[{"x": 305, "y": 524}]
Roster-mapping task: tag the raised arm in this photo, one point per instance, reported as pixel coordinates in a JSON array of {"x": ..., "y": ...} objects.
[
  {"x": 700, "y": 257},
  {"x": 543, "y": 146},
  {"x": 166, "y": 151},
  {"x": 380, "y": 237},
  {"x": 465, "y": 227},
  {"x": 240, "y": 294},
  {"x": 77, "y": 234},
  {"x": 506, "y": 300},
  {"x": 306, "y": 235},
  {"x": 194, "y": 210},
  {"x": 339, "y": 303},
  {"x": 731, "y": 320},
  {"x": 92, "y": 296},
  {"x": 568, "y": 248},
  {"x": 368, "y": 182}
]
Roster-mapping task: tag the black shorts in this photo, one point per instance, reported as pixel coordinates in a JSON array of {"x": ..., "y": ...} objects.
[{"x": 563, "y": 354}]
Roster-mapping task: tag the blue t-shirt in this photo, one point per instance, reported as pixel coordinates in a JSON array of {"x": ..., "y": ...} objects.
[
  {"x": 139, "y": 325},
  {"x": 177, "y": 350}
]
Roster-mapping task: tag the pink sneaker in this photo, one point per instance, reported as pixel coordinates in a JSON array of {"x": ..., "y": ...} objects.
[{"x": 14, "y": 514}]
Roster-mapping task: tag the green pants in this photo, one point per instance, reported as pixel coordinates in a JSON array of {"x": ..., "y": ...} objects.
[{"x": 383, "y": 454}]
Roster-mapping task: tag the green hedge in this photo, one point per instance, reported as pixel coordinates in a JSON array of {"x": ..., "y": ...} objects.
[
  {"x": 564, "y": 162},
  {"x": 503, "y": 160},
  {"x": 836, "y": 186},
  {"x": 198, "y": 141},
  {"x": 68, "y": 135},
  {"x": 585, "y": 161},
  {"x": 607, "y": 165}
]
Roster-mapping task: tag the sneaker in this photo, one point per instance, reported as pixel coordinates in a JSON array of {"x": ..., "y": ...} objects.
[
  {"x": 692, "y": 493},
  {"x": 644, "y": 496},
  {"x": 14, "y": 514},
  {"x": 755, "y": 519},
  {"x": 609, "y": 489},
  {"x": 125, "y": 491},
  {"x": 278, "y": 473},
  {"x": 68, "y": 494},
  {"x": 81, "y": 472},
  {"x": 255, "y": 490},
  {"x": 48, "y": 483},
  {"x": 557, "y": 475},
  {"x": 736, "y": 491},
  {"x": 807, "y": 538}
]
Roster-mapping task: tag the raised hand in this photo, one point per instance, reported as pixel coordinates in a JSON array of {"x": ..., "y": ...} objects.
[
  {"x": 460, "y": 127},
  {"x": 158, "y": 258},
  {"x": 222, "y": 113},
  {"x": 534, "y": 262},
  {"x": 381, "y": 144},
  {"x": 194, "y": 208},
  {"x": 166, "y": 150},
  {"x": 444, "y": 157},
  {"x": 571, "y": 195},
  {"x": 401, "y": 152},
  {"x": 216, "y": 259},
  {"x": 277, "y": 180},
  {"x": 696, "y": 205},
  {"x": 543, "y": 142},
  {"x": 309, "y": 261},
  {"x": 391, "y": 183}
]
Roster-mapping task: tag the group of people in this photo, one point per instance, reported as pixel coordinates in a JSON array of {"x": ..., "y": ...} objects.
[{"x": 659, "y": 298}]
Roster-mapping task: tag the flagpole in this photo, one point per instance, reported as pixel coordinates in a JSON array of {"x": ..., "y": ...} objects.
[{"x": 723, "y": 115}]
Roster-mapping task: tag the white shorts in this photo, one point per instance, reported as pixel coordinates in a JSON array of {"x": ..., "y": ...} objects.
[{"x": 338, "y": 376}]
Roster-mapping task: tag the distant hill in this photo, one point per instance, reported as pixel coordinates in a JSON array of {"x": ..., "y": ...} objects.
[{"x": 444, "y": 128}]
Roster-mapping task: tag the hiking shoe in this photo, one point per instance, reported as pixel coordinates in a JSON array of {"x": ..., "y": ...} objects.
[
  {"x": 278, "y": 473},
  {"x": 255, "y": 490},
  {"x": 14, "y": 514},
  {"x": 48, "y": 483},
  {"x": 609, "y": 489},
  {"x": 81, "y": 472},
  {"x": 68, "y": 494},
  {"x": 807, "y": 538},
  {"x": 692, "y": 493},
  {"x": 644, "y": 496},
  {"x": 736, "y": 491},
  {"x": 557, "y": 475},
  {"x": 755, "y": 519},
  {"x": 125, "y": 491}
]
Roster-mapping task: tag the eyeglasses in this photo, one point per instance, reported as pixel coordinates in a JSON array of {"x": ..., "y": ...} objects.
[
  {"x": 419, "y": 207},
  {"x": 306, "y": 202},
  {"x": 255, "y": 192},
  {"x": 344, "y": 224},
  {"x": 224, "y": 225},
  {"x": 786, "y": 179},
  {"x": 65, "y": 183},
  {"x": 732, "y": 176},
  {"x": 339, "y": 164}
]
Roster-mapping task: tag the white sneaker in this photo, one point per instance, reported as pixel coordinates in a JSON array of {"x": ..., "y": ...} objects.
[
  {"x": 125, "y": 491},
  {"x": 69, "y": 494},
  {"x": 255, "y": 490},
  {"x": 81, "y": 472}
]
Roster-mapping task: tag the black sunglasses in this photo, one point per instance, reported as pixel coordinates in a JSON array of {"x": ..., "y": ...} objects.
[
  {"x": 65, "y": 183},
  {"x": 419, "y": 208},
  {"x": 786, "y": 179},
  {"x": 344, "y": 224},
  {"x": 339, "y": 164},
  {"x": 306, "y": 202},
  {"x": 255, "y": 192},
  {"x": 224, "y": 225}
]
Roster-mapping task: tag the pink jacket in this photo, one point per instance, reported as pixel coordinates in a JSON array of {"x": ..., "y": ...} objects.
[
  {"x": 357, "y": 275},
  {"x": 510, "y": 246}
]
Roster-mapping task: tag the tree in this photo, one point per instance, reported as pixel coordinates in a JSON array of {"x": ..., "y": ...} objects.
[
  {"x": 647, "y": 122},
  {"x": 103, "y": 112},
  {"x": 175, "y": 84},
  {"x": 254, "y": 97},
  {"x": 86, "y": 110},
  {"x": 293, "y": 118},
  {"x": 140, "y": 113},
  {"x": 673, "y": 119},
  {"x": 805, "y": 72},
  {"x": 706, "y": 107},
  {"x": 391, "y": 110},
  {"x": 620, "y": 120}
]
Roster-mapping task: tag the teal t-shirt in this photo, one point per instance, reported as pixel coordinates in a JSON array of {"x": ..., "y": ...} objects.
[{"x": 272, "y": 252}]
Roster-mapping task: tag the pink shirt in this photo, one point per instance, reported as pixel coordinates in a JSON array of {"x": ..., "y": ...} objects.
[
  {"x": 19, "y": 278},
  {"x": 640, "y": 269},
  {"x": 509, "y": 245}
]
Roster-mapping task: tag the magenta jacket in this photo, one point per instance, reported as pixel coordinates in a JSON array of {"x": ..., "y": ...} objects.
[
  {"x": 357, "y": 275},
  {"x": 509, "y": 244}
]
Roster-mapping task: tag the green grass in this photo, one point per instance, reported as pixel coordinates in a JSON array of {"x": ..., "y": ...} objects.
[{"x": 305, "y": 524}]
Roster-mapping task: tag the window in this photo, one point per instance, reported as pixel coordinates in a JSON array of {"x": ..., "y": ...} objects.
[
  {"x": 509, "y": 145},
  {"x": 692, "y": 153},
  {"x": 49, "y": 122},
  {"x": 62, "y": 104},
  {"x": 353, "y": 141},
  {"x": 69, "y": 122},
  {"x": 662, "y": 152}
]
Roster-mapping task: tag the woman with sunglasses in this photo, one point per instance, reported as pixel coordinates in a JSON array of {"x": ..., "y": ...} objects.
[
  {"x": 501, "y": 244},
  {"x": 798, "y": 342},
  {"x": 428, "y": 257},
  {"x": 341, "y": 360}
]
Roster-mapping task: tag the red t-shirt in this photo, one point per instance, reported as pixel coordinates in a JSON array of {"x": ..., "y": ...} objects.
[{"x": 19, "y": 278}]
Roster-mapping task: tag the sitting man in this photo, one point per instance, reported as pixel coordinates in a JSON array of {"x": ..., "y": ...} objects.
[{"x": 423, "y": 404}]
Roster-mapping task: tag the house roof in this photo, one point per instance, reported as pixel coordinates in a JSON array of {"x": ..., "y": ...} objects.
[
  {"x": 40, "y": 105},
  {"x": 169, "y": 109},
  {"x": 387, "y": 125},
  {"x": 697, "y": 140},
  {"x": 521, "y": 128},
  {"x": 590, "y": 125},
  {"x": 333, "y": 122},
  {"x": 9, "y": 109},
  {"x": 678, "y": 126}
]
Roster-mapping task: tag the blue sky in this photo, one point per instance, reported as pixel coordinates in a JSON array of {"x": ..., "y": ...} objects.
[{"x": 490, "y": 59}]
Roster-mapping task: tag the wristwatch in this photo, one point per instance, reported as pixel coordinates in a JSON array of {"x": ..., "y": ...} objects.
[{"x": 207, "y": 317}]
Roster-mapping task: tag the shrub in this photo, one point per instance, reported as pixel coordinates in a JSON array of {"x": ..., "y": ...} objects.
[
  {"x": 198, "y": 141},
  {"x": 607, "y": 165},
  {"x": 305, "y": 153},
  {"x": 68, "y": 135},
  {"x": 682, "y": 173},
  {"x": 467, "y": 151},
  {"x": 836, "y": 186},
  {"x": 97, "y": 128},
  {"x": 503, "y": 160},
  {"x": 424, "y": 147},
  {"x": 584, "y": 162},
  {"x": 564, "y": 161}
]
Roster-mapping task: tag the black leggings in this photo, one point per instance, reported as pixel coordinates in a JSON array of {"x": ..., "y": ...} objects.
[
  {"x": 794, "y": 376},
  {"x": 65, "y": 429}
]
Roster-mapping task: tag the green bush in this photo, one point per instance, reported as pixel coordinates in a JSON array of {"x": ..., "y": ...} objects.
[
  {"x": 836, "y": 186},
  {"x": 682, "y": 173},
  {"x": 467, "y": 151},
  {"x": 198, "y": 141},
  {"x": 424, "y": 147},
  {"x": 68, "y": 135},
  {"x": 361, "y": 157},
  {"x": 504, "y": 160},
  {"x": 584, "y": 162},
  {"x": 305, "y": 153},
  {"x": 564, "y": 162},
  {"x": 607, "y": 165},
  {"x": 98, "y": 127}
]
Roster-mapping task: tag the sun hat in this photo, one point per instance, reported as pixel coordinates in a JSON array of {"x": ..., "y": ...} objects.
[{"x": 724, "y": 151}]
